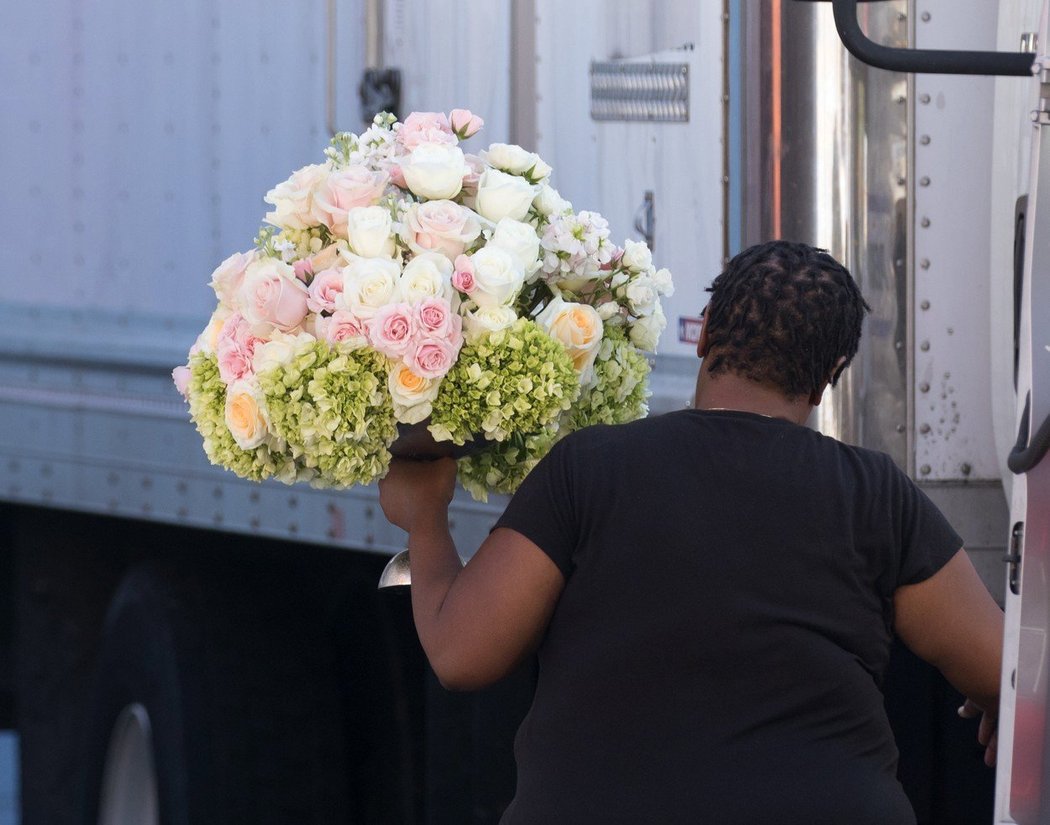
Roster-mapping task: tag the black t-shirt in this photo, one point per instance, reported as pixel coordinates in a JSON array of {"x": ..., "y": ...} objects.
[{"x": 717, "y": 653}]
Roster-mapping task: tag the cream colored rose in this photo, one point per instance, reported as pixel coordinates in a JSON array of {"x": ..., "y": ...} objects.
[
  {"x": 503, "y": 196},
  {"x": 246, "y": 415},
  {"x": 426, "y": 276},
  {"x": 664, "y": 282},
  {"x": 293, "y": 200},
  {"x": 483, "y": 320},
  {"x": 368, "y": 284},
  {"x": 370, "y": 231},
  {"x": 435, "y": 171},
  {"x": 208, "y": 340},
  {"x": 521, "y": 241},
  {"x": 412, "y": 394},
  {"x": 579, "y": 329},
  {"x": 498, "y": 277}
]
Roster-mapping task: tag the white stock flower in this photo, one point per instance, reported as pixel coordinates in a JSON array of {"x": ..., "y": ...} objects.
[
  {"x": 428, "y": 275},
  {"x": 645, "y": 332},
  {"x": 435, "y": 171},
  {"x": 368, "y": 284},
  {"x": 520, "y": 240},
  {"x": 484, "y": 320},
  {"x": 608, "y": 310},
  {"x": 503, "y": 196},
  {"x": 636, "y": 256},
  {"x": 498, "y": 277},
  {"x": 370, "y": 231}
]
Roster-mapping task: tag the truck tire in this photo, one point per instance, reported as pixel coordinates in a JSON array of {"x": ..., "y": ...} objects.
[{"x": 217, "y": 676}]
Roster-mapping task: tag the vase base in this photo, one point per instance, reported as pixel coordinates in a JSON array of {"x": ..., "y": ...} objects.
[{"x": 397, "y": 572}]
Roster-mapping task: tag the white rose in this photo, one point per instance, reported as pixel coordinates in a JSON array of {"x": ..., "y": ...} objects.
[
  {"x": 645, "y": 332},
  {"x": 509, "y": 157},
  {"x": 608, "y": 310},
  {"x": 279, "y": 350},
  {"x": 503, "y": 196},
  {"x": 641, "y": 296},
  {"x": 246, "y": 414},
  {"x": 368, "y": 284},
  {"x": 412, "y": 394},
  {"x": 664, "y": 283},
  {"x": 435, "y": 171},
  {"x": 294, "y": 199},
  {"x": 498, "y": 277},
  {"x": 370, "y": 230},
  {"x": 579, "y": 329},
  {"x": 548, "y": 202},
  {"x": 636, "y": 256},
  {"x": 484, "y": 320},
  {"x": 428, "y": 275},
  {"x": 520, "y": 240}
]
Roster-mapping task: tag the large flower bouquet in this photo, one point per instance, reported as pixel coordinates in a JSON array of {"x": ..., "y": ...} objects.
[{"x": 403, "y": 282}]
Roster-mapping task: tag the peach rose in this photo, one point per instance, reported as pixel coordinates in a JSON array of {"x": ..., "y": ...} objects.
[
  {"x": 578, "y": 327},
  {"x": 245, "y": 415}
]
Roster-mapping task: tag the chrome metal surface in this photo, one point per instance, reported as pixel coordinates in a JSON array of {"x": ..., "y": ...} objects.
[
  {"x": 625, "y": 90},
  {"x": 826, "y": 162},
  {"x": 129, "y": 780},
  {"x": 397, "y": 572}
]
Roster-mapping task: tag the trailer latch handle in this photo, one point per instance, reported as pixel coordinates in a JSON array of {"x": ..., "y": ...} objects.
[
  {"x": 1027, "y": 453},
  {"x": 924, "y": 61}
]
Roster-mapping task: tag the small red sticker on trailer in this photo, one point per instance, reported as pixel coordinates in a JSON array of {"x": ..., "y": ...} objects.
[{"x": 689, "y": 330}]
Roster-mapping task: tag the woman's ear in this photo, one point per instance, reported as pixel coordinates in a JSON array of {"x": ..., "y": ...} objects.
[{"x": 704, "y": 343}]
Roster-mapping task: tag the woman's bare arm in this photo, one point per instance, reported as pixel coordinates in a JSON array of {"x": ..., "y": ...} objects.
[
  {"x": 477, "y": 622},
  {"x": 952, "y": 622}
]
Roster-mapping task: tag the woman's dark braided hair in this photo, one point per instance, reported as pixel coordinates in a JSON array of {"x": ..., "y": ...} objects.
[{"x": 783, "y": 313}]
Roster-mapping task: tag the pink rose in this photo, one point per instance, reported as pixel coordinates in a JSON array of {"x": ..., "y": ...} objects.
[
  {"x": 397, "y": 177},
  {"x": 440, "y": 226},
  {"x": 475, "y": 166},
  {"x": 341, "y": 328},
  {"x": 326, "y": 286},
  {"x": 463, "y": 277},
  {"x": 344, "y": 190},
  {"x": 235, "y": 362},
  {"x": 229, "y": 275},
  {"x": 392, "y": 330},
  {"x": 181, "y": 377},
  {"x": 425, "y": 127},
  {"x": 303, "y": 269},
  {"x": 433, "y": 357},
  {"x": 465, "y": 123},
  {"x": 272, "y": 294},
  {"x": 437, "y": 320}
]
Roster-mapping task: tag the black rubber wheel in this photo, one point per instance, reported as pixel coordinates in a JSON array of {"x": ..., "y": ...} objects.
[{"x": 240, "y": 694}]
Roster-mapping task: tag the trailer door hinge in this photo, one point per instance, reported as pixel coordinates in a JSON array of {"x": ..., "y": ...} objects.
[{"x": 1013, "y": 559}]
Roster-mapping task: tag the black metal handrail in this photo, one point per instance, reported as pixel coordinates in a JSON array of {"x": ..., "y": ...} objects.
[
  {"x": 1028, "y": 452},
  {"x": 924, "y": 61}
]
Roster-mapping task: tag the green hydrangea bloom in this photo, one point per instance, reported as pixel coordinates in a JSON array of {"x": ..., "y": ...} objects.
[
  {"x": 332, "y": 408},
  {"x": 621, "y": 388},
  {"x": 207, "y": 397},
  {"x": 516, "y": 380},
  {"x": 503, "y": 466}
]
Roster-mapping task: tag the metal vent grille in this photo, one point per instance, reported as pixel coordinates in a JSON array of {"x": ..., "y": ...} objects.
[{"x": 640, "y": 91}]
